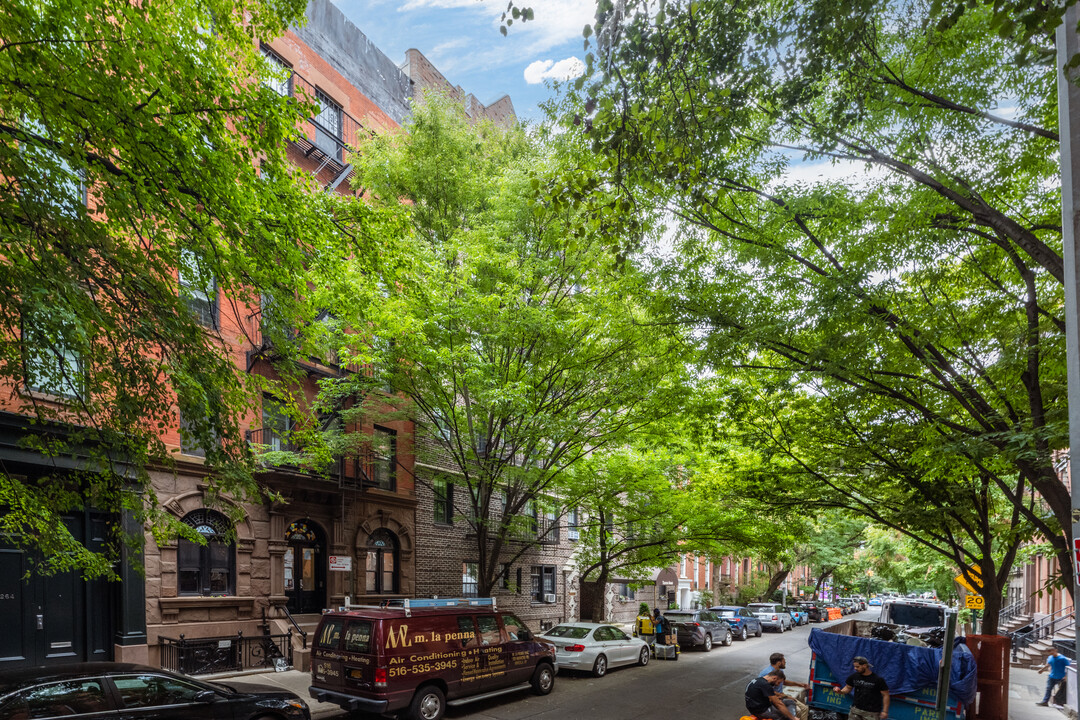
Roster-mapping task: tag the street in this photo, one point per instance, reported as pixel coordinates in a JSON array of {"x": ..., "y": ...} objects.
[{"x": 699, "y": 686}]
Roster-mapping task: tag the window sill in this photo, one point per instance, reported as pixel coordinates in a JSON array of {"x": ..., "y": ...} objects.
[{"x": 206, "y": 601}]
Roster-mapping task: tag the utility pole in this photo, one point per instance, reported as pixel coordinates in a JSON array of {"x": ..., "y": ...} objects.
[{"x": 1068, "y": 46}]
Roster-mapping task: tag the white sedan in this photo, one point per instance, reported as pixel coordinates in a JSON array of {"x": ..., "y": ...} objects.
[{"x": 594, "y": 647}]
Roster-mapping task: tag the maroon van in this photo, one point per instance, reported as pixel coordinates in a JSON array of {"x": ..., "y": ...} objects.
[{"x": 426, "y": 655}]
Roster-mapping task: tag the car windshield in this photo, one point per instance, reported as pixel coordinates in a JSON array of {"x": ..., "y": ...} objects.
[
  {"x": 568, "y": 631},
  {"x": 679, "y": 617},
  {"x": 917, "y": 615}
]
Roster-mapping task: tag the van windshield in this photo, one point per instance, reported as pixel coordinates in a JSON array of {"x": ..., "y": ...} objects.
[
  {"x": 916, "y": 615},
  {"x": 568, "y": 631}
]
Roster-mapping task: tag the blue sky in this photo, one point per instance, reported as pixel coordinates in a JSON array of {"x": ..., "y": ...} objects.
[{"x": 462, "y": 39}]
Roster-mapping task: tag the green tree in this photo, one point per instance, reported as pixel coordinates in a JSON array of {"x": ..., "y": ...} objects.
[
  {"x": 513, "y": 332},
  {"x": 139, "y": 142},
  {"x": 929, "y": 285}
]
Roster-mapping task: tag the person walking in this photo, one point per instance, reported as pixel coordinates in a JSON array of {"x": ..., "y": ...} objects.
[
  {"x": 870, "y": 692},
  {"x": 1056, "y": 664},
  {"x": 777, "y": 661},
  {"x": 762, "y": 700}
]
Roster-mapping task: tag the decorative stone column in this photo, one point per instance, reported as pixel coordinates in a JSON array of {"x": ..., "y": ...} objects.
[{"x": 276, "y": 547}]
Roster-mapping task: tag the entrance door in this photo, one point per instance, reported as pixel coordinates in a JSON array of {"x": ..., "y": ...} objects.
[
  {"x": 305, "y": 567},
  {"x": 59, "y": 618}
]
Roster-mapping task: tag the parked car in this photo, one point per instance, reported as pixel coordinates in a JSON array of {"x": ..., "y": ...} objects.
[
  {"x": 136, "y": 692},
  {"x": 772, "y": 616},
  {"x": 874, "y": 602},
  {"x": 815, "y": 611},
  {"x": 799, "y": 616},
  {"x": 700, "y": 627},
  {"x": 742, "y": 621},
  {"x": 594, "y": 647},
  {"x": 418, "y": 656}
]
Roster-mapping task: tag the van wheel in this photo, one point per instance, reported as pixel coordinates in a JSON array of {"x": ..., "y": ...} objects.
[
  {"x": 428, "y": 703},
  {"x": 643, "y": 658},
  {"x": 708, "y": 643},
  {"x": 599, "y": 668},
  {"x": 543, "y": 679}
]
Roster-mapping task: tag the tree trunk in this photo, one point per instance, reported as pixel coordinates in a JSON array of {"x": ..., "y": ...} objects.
[
  {"x": 777, "y": 578},
  {"x": 599, "y": 605}
]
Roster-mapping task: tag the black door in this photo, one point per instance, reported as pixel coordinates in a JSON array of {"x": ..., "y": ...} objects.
[
  {"x": 305, "y": 567},
  {"x": 57, "y": 618}
]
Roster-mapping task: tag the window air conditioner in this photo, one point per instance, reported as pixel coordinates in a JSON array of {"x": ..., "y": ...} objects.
[{"x": 549, "y": 598}]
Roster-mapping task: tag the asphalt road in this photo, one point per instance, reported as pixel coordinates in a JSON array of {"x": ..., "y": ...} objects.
[{"x": 699, "y": 686}]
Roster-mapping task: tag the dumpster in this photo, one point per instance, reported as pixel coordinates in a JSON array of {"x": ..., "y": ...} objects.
[{"x": 911, "y": 673}]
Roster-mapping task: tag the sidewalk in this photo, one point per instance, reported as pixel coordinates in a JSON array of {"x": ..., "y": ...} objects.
[{"x": 1026, "y": 687}]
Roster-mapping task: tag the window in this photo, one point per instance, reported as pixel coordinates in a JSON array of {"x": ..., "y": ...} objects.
[
  {"x": 682, "y": 567},
  {"x": 358, "y": 637},
  {"x": 384, "y": 462},
  {"x": 53, "y": 367},
  {"x": 467, "y": 629},
  {"x": 71, "y": 697},
  {"x": 208, "y": 569},
  {"x": 444, "y": 501},
  {"x": 331, "y": 633},
  {"x": 277, "y": 425},
  {"x": 572, "y": 532},
  {"x": 51, "y": 178},
  {"x": 154, "y": 690},
  {"x": 189, "y": 444},
  {"x": 470, "y": 579},
  {"x": 328, "y": 126},
  {"x": 280, "y": 79},
  {"x": 625, "y": 591},
  {"x": 198, "y": 289},
  {"x": 549, "y": 528},
  {"x": 543, "y": 583},
  {"x": 489, "y": 630},
  {"x": 382, "y": 556},
  {"x": 515, "y": 628},
  {"x": 505, "y": 574}
]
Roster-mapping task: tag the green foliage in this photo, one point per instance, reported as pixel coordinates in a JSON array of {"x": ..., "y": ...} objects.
[{"x": 136, "y": 142}]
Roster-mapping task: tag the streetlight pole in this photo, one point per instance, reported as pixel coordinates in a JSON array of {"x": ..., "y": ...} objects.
[{"x": 1068, "y": 46}]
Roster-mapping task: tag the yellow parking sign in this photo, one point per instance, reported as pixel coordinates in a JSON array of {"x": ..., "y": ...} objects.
[
  {"x": 975, "y": 602},
  {"x": 976, "y": 576}
]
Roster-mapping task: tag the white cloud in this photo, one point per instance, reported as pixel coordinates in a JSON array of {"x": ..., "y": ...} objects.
[{"x": 542, "y": 70}]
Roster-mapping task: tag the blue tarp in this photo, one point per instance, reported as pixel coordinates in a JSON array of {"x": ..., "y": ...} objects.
[{"x": 905, "y": 668}]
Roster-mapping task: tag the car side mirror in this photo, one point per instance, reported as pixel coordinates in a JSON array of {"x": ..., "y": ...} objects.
[{"x": 205, "y": 696}]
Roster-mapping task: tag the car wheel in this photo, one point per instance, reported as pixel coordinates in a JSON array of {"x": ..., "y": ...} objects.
[
  {"x": 643, "y": 658},
  {"x": 708, "y": 643},
  {"x": 599, "y": 668},
  {"x": 543, "y": 679},
  {"x": 742, "y": 635},
  {"x": 428, "y": 703},
  {"x": 727, "y": 639},
  {"x": 758, "y": 634}
]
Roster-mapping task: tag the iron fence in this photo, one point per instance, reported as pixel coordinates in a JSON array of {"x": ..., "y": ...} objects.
[
  {"x": 206, "y": 656},
  {"x": 1042, "y": 629}
]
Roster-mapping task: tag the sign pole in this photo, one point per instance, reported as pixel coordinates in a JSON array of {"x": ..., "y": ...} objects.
[{"x": 946, "y": 665}]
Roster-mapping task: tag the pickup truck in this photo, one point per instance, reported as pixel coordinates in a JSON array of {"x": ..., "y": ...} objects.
[{"x": 910, "y": 671}]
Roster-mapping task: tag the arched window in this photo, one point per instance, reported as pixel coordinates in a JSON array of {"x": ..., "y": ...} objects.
[
  {"x": 208, "y": 569},
  {"x": 382, "y": 563}
]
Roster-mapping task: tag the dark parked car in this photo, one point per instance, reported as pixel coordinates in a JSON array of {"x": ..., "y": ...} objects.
[
  {"x": 743, "y": 622},
  {"x": 816, "y": 612},
  {"x": 136, "y": 692},
  {"x": 700, "y": 627}
]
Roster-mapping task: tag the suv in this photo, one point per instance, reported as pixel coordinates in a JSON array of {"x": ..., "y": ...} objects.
[
  {"x": 772, "y": 616},
  {"x": 699, "y": 627},
  {"x": 424, "y": 655},
  {"x": 816, "y": 612},
  {"x": 743, "y": 622}
]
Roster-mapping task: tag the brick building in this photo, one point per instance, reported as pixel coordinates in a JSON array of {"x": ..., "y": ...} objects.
[{"x": 277, "y": 574}]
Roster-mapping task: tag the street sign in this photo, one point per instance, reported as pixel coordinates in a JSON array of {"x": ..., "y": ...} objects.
[
  {"x": 976, "y": 585},
  {"x": 1076, "y": 555},
  {"x": 975, "y": 602}
]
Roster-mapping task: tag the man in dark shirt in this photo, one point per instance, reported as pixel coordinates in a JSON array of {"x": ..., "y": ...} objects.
[
  {"x": 870, "y": 693},
  {"x": 762, "y": 701}
]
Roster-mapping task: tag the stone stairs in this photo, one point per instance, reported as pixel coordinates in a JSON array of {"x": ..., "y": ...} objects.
[
  {"x": 1035, "y": 653},
  {"x": 308, "y": 622}
]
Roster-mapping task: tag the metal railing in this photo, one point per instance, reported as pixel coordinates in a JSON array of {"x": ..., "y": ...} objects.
[
  {"x": 206, "y": 656},
  {"x": 1041, "y": 629},
  {"x": 303, "y": 633},
  {"x": 1012, "y": 611}
]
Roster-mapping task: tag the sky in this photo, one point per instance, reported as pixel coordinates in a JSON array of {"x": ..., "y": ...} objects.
[{"x": 462, "y": 39}]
